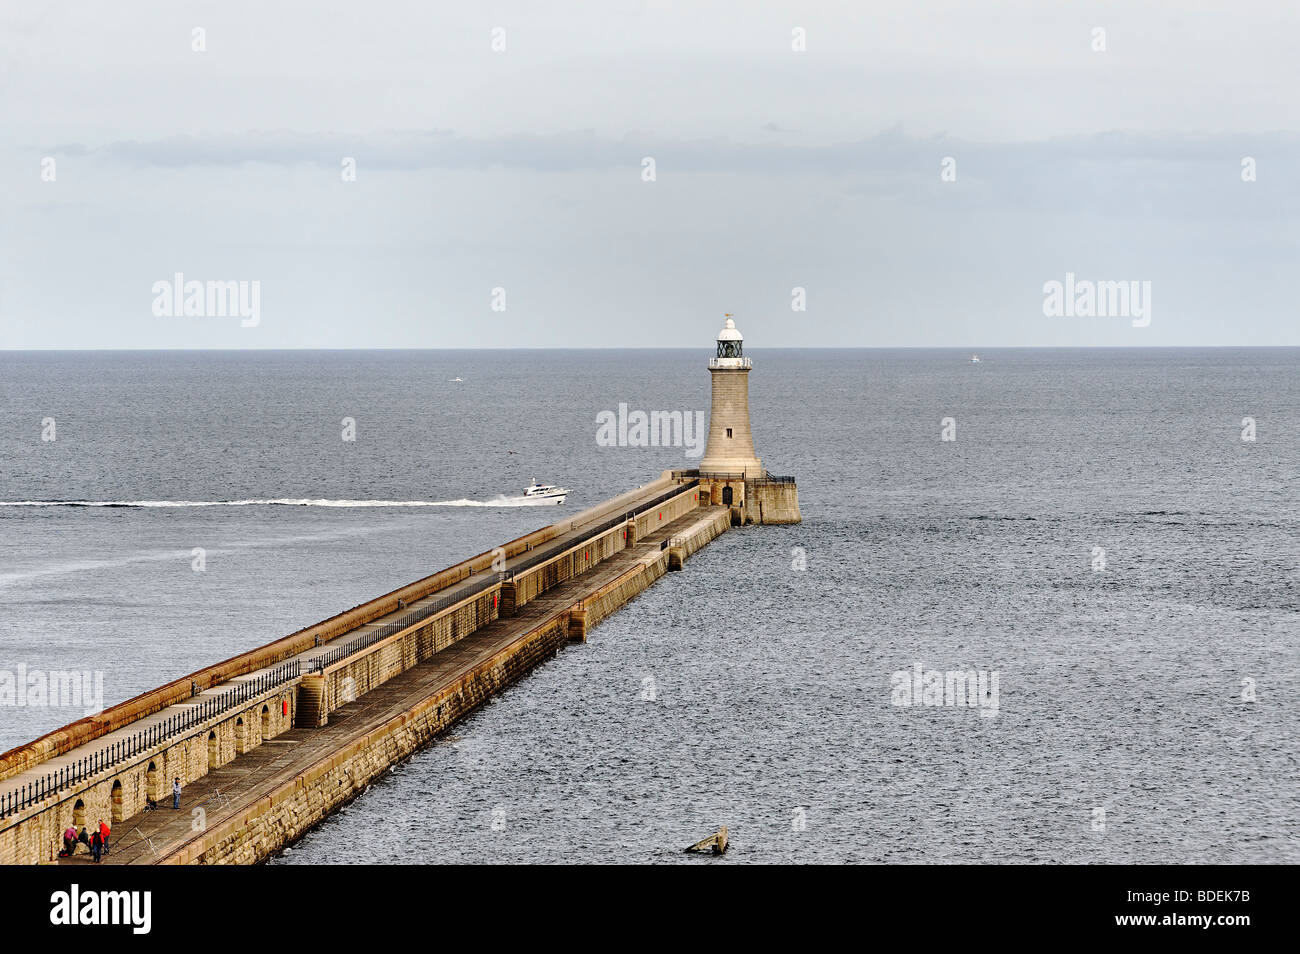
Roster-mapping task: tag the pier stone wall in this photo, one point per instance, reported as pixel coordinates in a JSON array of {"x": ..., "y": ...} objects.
[
  {"x": 757, "y": 500},
  {"x": 772, "y": 503},
  {"x": 682, "y": 545},
  {"x": 664, "y": 514},
  {"x": 356, "y": 675},
  {"x": 35, "y": 834},
  {"x": 578, "y": 559}
]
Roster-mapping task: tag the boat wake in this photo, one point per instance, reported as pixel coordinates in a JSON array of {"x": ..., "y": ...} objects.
[{"x": 501, "y": 500}]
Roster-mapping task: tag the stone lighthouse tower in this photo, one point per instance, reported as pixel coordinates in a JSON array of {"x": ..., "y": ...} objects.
[
  {"x": 730, "y": 450},
  {"x": 730, "y": 473}
]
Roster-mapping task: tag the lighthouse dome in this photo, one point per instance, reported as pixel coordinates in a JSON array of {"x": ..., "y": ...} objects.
[{"x": 730, "y": 332}]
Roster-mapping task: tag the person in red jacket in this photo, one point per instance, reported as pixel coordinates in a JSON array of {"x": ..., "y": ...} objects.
[{"x": 104, "y": 832}]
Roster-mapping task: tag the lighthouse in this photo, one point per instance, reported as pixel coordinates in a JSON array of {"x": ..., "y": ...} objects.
[
  {"x": 730, "y": 449},
  {"x": 730, "y": 473}
]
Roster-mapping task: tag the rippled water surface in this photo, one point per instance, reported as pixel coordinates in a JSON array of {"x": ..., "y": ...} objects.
[{"x": 1121, "y": 734}]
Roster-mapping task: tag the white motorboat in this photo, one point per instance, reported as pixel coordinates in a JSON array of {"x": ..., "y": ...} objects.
[{"x": 548, "y": 492}]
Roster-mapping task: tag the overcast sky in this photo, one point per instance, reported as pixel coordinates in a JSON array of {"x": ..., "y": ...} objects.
[{"x": 523, "y": 169}]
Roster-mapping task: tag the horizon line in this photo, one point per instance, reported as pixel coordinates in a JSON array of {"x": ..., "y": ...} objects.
[{"x": 703, "y": 348}]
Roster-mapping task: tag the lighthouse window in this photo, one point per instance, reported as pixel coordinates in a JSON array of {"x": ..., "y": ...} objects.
[{"x": 728, "y": 432}]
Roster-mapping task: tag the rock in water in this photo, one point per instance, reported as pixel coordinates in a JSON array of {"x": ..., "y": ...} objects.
[{"x": 713, "y": 845}]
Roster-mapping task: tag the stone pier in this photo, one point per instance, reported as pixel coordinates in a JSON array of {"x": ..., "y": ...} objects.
[{"x": 268, "y": 743}]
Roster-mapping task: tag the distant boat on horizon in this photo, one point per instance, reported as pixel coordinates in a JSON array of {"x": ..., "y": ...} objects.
[
  {"x": 974, "y": 359},
  {"x": 455, "y": 380}
]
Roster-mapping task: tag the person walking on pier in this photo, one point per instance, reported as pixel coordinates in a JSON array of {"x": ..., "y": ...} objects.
[
  {"x": 69, "y": 841},
  {"x": 176, "y": 793},
  {"x": 96, "y": 845},
  {"x": 104, "y": 832}
]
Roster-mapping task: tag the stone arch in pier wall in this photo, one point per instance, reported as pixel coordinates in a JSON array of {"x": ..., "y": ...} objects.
[
  {"x": 241, "y": 743},
  {"x": 266, "y": 722},
  {"x": 127, "y": 789},
  {"x": 214, "y": 751}
]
